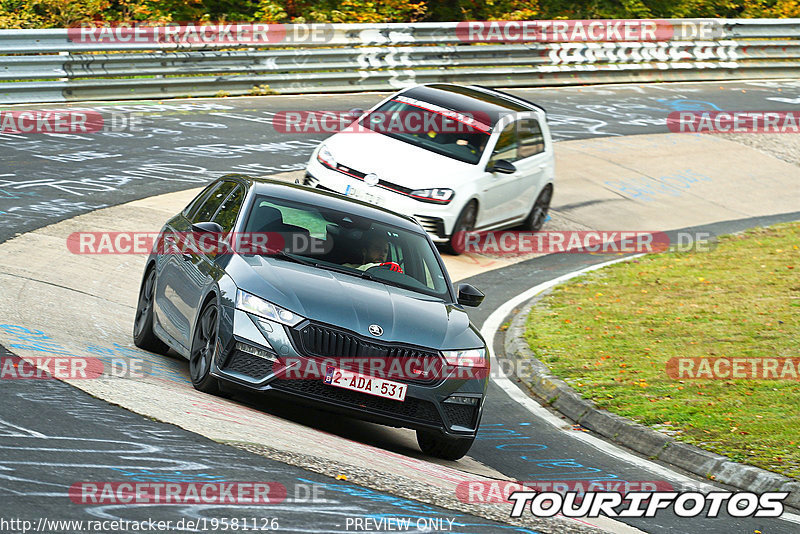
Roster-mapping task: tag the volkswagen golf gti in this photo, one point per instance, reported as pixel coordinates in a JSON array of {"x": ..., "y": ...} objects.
[
  {"x": 455, "y": 158},
  {"x": 310, "y": 296}
]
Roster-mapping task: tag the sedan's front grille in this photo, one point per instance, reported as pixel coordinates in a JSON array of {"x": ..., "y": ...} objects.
[
  {"x": 432, "y": 225},
  {"x": 321, "y": 341},
  {"x": 412, "y": 409}
]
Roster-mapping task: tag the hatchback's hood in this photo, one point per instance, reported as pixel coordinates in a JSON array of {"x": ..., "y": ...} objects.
[
  {"x": 354, "y": 303},
  {"x": 398, "y": 162}
]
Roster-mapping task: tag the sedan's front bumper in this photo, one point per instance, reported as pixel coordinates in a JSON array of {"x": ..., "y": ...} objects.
[{"x": 423, "y": 407}]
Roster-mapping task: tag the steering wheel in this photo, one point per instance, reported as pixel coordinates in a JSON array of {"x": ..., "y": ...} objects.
[{"x": 392, "y": 266}]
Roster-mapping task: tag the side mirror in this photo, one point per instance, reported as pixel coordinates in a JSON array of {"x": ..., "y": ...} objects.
[
  {"x": 502, "y": 166},
  {"x": 469, "y": 296},
  {"x": 210, "y": 234},
  {"x": 356, "y": 113}
]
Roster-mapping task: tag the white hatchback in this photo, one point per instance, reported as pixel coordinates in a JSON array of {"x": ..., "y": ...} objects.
[{"x": 455, "y": 158}]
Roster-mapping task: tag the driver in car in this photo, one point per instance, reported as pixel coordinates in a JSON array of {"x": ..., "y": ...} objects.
[{"x": 374, "y": 254}]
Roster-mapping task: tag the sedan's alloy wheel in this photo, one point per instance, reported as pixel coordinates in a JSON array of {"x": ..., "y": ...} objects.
[
  {"x": 143, "y": 336},
  {"x": 204, "y": 347}
]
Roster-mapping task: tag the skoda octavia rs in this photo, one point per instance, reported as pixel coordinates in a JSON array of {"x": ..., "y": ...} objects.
[
  {"x": 455, "y": 158},
  {"x": 309, "y": 296}
]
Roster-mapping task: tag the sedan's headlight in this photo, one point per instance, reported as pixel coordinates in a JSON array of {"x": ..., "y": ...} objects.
[
  {"x": 258, "y": 306},
  {"x": 325, "y": 157},
  {"x": 437, "y": 196},
  {"x": 466, "y": 358}
]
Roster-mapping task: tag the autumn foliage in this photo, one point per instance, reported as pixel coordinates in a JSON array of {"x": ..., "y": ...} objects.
[{"x": 61, "y": 13}]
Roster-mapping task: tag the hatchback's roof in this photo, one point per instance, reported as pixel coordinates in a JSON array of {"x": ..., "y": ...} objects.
[
  {"x": 329, "y": 200},
  {"x": 469, "y": 100}
]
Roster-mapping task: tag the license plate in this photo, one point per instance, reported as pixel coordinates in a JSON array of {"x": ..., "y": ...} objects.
[
  {"x": 360, "y": 194},
  {"x": 365, "y": 384}
]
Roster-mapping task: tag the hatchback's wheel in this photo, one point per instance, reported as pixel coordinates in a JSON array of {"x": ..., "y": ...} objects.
[
  {"x": 465, "y": 223},
  {"x": 538, "y": 214},
  {"x": 143, "y": 336},
  {"x": 204, "y": 347},
  {"x": 441, "y": 446}
]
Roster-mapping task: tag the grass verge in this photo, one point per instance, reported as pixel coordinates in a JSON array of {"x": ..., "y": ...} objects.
[{"x": 610, "y": 334}]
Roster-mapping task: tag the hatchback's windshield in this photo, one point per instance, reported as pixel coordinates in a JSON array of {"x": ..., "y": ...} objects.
[
  {"x": 347, "y": 243},
  {"x": 460, "y": 135}
]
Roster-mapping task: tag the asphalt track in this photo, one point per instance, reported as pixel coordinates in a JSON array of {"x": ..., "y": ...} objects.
[
  {"x": 53, "y": 435},
  {"x": 182, "y": 148}
]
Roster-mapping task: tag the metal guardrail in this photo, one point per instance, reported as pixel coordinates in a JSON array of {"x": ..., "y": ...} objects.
[{"x": 57, "y": 65}]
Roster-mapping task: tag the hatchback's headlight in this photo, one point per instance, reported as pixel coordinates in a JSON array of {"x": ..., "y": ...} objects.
[
  {"x": 438, "y": 196},
  {"x": 466, "y": 358},
  {"x": 325, "y": 157},
  {"x": 258, "y": 306}
]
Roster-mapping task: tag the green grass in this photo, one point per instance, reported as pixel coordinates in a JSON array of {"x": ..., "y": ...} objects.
[{"x": 609, "y": 335}]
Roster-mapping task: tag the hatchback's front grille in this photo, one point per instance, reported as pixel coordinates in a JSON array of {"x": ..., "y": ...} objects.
[
  {"x": 386, "y": 184},
  {"x": 321, "y": 341}
]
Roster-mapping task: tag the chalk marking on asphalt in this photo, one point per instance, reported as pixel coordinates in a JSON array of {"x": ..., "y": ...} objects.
[{"x": 489, "y": 330}]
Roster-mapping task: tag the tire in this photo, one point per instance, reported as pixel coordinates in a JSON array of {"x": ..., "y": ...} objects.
[
  {"x": 441, "y": 446},
  {"x": 143, "y": 335},
  {"x": 535, "y": 219},
  {"x": 204, "y": 348},
  {"x": 464, "y": 223}
]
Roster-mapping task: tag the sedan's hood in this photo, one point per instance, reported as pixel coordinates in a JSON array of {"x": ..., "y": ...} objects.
[
  {"x": 354, "y": 304},
  {"x": 398, "y": 162}
]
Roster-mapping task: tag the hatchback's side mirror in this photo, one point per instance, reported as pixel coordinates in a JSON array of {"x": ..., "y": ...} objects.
[
  {"x": 502, "y": 166},
  {"x": 468, "y": 295},
  {"x": 356, "y": 113}
]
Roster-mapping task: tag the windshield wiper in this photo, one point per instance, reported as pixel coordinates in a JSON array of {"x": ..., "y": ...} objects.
[
  {"x": 282, "y": 254},
  {"x": 352, "y": 272}
]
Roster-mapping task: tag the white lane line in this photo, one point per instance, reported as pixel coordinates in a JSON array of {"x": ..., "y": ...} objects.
[{"x": 489, "y": 330}]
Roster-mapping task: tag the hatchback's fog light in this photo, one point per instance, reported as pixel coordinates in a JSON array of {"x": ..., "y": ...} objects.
[
  {"x": 255, "y": 351},
  {"x": 467, "y": 401}
]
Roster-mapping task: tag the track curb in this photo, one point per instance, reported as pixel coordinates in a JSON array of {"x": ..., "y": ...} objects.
[{"x": 557, "y": 394}]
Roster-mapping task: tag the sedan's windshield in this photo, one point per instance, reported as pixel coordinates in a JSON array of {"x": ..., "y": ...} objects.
[
  {"x": 460, "y": 135},
  {"x": 343, "y": 242}
]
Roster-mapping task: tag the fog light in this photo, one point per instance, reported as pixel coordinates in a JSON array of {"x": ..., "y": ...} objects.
[
  {"x": 255, "y": 351},
  {"x": 467, "y": 401}
]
